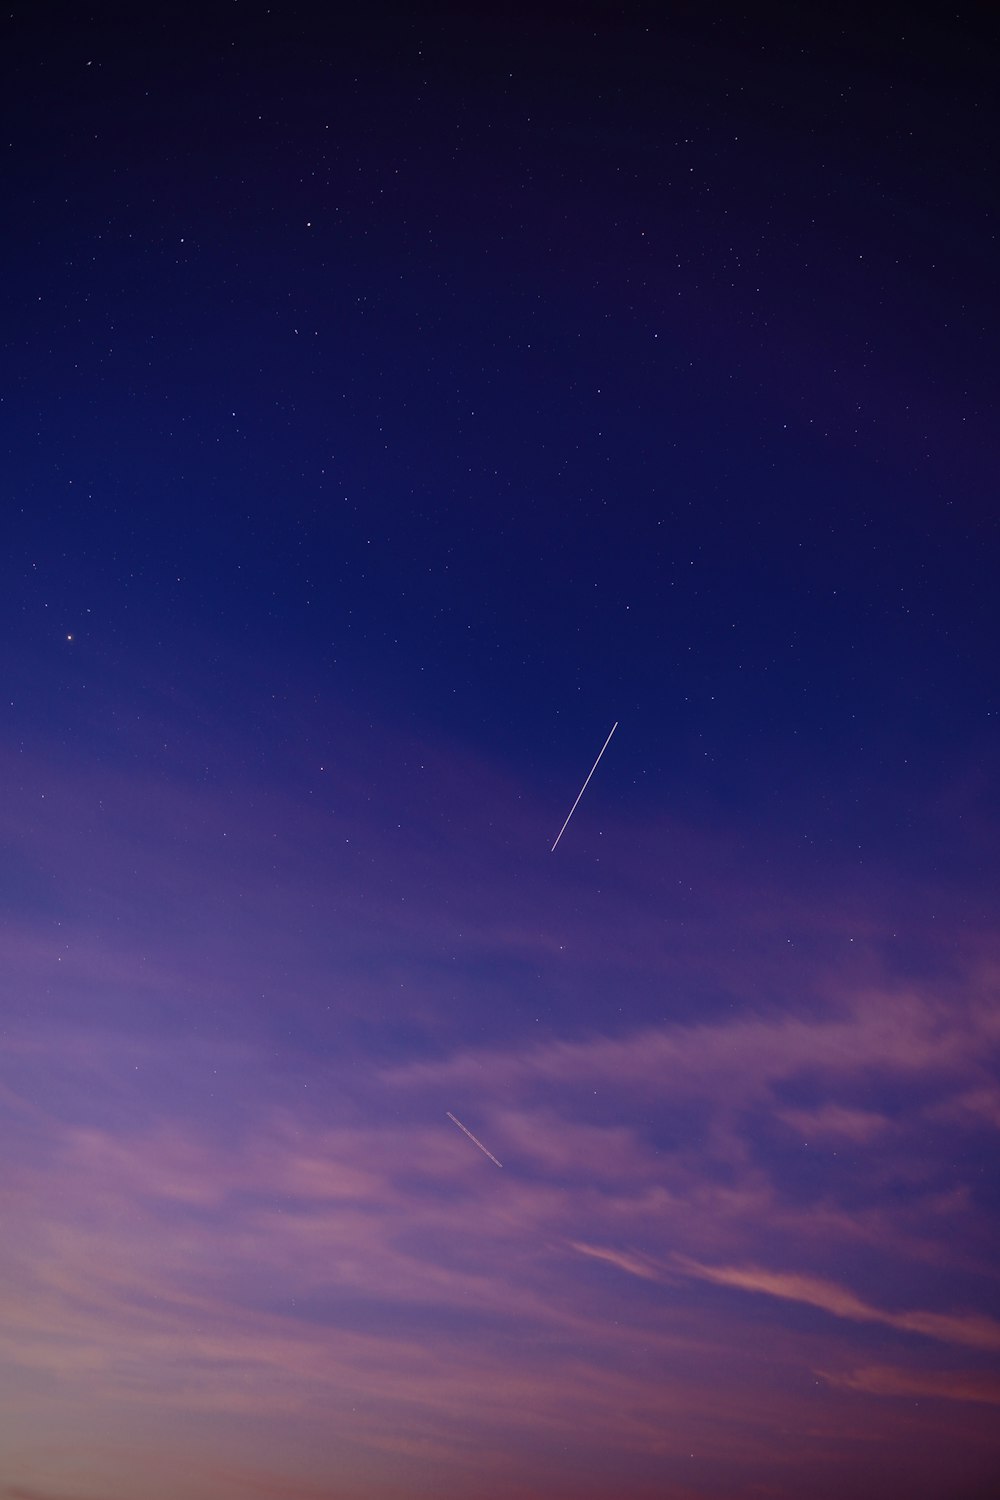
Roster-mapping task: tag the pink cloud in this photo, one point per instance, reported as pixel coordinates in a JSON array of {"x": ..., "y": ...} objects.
[
  {"x": 203, "y": 1217},
  {"x": 834, "y": 1121},
  {"x": 977, "y": 1332},
  {"x": 372, "y": 1267},
  {"x": 946, "y": 1385},
  {"x": 633, "y": 1265}
]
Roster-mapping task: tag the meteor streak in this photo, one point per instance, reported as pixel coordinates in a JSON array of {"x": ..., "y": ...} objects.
[
  {"x": 593, "y": 768},
  {"x": 472, "y": 1138}
]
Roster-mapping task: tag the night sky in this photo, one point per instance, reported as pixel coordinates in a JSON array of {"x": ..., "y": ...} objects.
[{"x": 395, "y": 399}]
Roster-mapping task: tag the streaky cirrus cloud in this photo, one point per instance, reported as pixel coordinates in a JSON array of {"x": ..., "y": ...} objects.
[
  {"x": 262, "y": 1213},
  {"x": 888, "y": 1380},
  {"x": 973, "y": 1332}
]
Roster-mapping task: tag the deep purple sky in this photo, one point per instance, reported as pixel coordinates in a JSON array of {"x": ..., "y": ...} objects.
[{"x": 392, "y": 403}]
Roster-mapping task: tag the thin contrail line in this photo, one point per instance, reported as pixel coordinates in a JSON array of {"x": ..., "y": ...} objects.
[
  {"x": 593, "y": 768},
  {"x": 473, "y": 1139}
]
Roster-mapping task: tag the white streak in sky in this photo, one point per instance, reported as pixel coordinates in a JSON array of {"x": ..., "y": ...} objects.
[
  {"x": 593, "y": 768},
  {"x": 473, "y": 1139}
]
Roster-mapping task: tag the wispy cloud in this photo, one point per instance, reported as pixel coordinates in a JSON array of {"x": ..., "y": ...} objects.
[
  {"x": 207, "y": 1212},
  {"x": 634, "y": 1265},
  {"x": 977, "y": 1332},
  {"x": 889, "y": 1380}
]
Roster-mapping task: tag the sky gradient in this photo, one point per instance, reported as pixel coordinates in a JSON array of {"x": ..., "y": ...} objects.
[{"x": 392, "y": 403}]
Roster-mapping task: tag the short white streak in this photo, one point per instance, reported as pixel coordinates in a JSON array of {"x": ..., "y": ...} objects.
[
  {"x": 472, "y": 1138},
  {"x": 593, "y": 768}
]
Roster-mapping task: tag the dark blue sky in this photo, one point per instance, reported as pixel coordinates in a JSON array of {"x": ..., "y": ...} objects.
[{"x": 392, "y": 402}]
